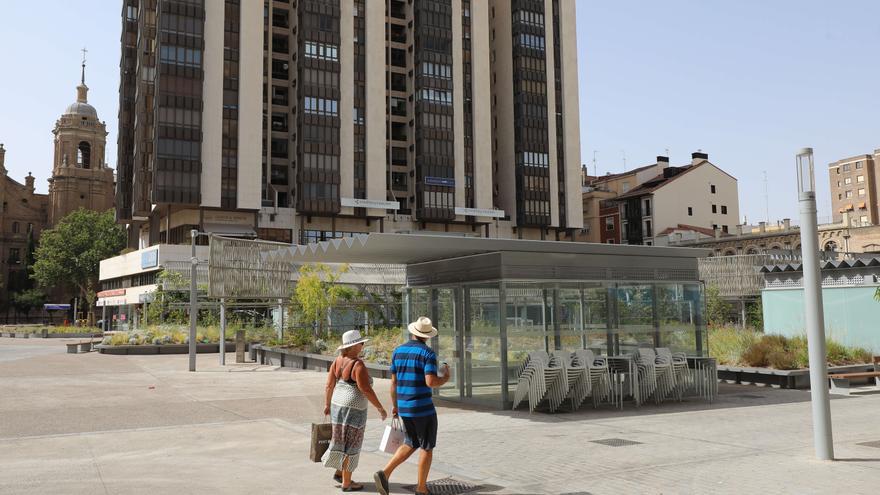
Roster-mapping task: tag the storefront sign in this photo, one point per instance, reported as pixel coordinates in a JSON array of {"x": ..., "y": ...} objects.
[
  {"x": 111, "y": 293},
  {"x": 228, "y": 217},
  {"x": 369, "y": 203},
  {"x": 479, "y": 212},
  {"x": 150, "y": 259},
  {"x": 440, "y": 181}
]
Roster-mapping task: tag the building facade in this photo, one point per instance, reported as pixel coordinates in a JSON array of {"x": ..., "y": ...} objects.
[
  {"x": 303, "y": 121},
  {"x": 654, "y": 200},
  {"x": 854, "y": 192}
]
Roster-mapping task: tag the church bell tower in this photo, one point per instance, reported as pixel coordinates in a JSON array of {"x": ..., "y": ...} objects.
[{"x": 80, "y": 177}]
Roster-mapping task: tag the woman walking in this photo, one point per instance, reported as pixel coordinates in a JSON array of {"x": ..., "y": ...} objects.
[{"x": 349, "y": 387}]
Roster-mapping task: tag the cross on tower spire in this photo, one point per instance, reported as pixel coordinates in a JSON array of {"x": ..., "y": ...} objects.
[{"x": 84, "y": 65}]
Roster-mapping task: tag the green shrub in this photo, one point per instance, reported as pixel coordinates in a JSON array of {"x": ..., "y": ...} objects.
[{"x": 782, "y": 360}]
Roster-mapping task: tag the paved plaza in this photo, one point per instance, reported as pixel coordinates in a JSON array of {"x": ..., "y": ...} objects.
[{"x": 92, "y": 424}]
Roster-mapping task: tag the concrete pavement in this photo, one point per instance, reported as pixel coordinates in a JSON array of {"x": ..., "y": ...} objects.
[{"x": 90, "y": 423}]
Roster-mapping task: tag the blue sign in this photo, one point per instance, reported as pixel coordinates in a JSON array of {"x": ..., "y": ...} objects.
[
  {"x": 150, "y": 259},
  {"x": 440, "y": 181},
  {"x": 56, "y": 307}
]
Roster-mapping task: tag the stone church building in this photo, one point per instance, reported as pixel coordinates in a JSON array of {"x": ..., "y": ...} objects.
[{"x": 80, "y": 179}]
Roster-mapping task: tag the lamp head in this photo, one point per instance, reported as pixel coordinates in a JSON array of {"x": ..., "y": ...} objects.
[{"x": 806, "y": 180}]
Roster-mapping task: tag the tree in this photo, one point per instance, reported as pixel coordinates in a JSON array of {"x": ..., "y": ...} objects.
[
  {"x": 168, "y": 299},
  {"x": 70, "y": 253},
  {"x": 717, "y": 309},
  {"x": 318, "y": 290},
  {"x": 27, "y": 300}
]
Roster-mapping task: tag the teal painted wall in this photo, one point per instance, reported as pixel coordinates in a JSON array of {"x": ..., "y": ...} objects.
[{"x": 852, "y": 316}]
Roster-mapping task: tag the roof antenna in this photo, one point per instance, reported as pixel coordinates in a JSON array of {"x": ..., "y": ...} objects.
[
  {"x": 595, "y": 169},
  {"x": 623, "y": 152}
]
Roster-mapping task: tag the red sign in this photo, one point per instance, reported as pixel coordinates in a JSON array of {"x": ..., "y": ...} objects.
[{"x": 111, "y": 293}]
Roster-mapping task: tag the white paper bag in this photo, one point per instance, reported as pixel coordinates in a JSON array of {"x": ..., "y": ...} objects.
[{"x": 393, "y": 437}]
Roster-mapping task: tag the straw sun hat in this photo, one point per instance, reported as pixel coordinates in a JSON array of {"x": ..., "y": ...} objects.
[
  {"x": 351, "y": 338},
  {"x": 422, "y": 328}
]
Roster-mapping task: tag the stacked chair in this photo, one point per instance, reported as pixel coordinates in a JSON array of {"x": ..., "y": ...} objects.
[
  {"x": 599, "y": 376},
  {"x": 680, "y": 374},
  {"x": 540, "y": 375},
  {"x": 560, "y": 376}
]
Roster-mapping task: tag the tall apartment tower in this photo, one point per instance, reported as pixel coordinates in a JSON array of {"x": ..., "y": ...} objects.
[{"x": 303, "y": 120}]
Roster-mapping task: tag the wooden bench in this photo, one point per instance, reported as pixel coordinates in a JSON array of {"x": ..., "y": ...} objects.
[{"x": 840, "y": 382}]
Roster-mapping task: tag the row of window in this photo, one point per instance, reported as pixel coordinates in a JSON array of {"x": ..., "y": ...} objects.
[
  {"x": 848, "y": 180},
  {"x": 436, "y": 120},
  {"x": 532, "y": 159},
  {"x": 439, "y": 96},
  {"x": 16, "y": 227},
  {"x": 190, "y": 150},
  {"x": 323, "y": 51},
  {"x": 321, "y": 106},
  {"x": 846, "y": 167},
  {"x": 322, "y": 78},
  {"x": 178, "y": 55},
  {"x": 526, "y": 17},
  {"x": 534, "y": 41},
  {"x": 440, "y": 71},
  {"x": 179, "y": 117},
  {"x": 315, "y": 161},
  {"x": 849, "y": 194},
  {"x": 714, "y": 210}
]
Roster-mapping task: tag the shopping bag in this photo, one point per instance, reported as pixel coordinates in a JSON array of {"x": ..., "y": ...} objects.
[
  {"x": 393, "y": 437},
  {"x": 321, "y": 435}
]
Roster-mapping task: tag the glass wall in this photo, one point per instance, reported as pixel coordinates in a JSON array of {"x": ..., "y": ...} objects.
[{"x": 487, "y": 330}]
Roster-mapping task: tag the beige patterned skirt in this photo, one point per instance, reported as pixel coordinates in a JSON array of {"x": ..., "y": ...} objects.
[{"x": 348, "y": 413}]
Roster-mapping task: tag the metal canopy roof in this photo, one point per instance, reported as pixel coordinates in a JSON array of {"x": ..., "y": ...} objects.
[
  {"x": 825, "y": 265},
  {"x": 409, "y": 249}
]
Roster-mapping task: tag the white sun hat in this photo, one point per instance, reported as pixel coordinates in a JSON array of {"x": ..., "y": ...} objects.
[
  {"x": 351, "y": 338},
  {"x": 422, "y": 328}
]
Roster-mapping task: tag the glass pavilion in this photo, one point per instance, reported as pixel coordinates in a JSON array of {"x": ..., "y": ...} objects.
[{"x": 495, "y": 300}]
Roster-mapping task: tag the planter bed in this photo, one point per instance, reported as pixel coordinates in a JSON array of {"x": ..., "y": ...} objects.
[
  {"x": 795, "y": 379},
  {"x": 149, "y": 349},
  {"x": 22, "y": 335},
  {"x": 279, "y": 356}
]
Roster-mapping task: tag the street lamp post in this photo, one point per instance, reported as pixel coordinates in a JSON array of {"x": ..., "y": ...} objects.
[
  {"x": 193, "y": 301},
  {"x": 813, "y": 313}
]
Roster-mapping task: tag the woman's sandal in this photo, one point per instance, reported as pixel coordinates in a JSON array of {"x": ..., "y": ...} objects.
[
  {"x": 354, "y": 487},
  {"x": 337, "y": 478}
]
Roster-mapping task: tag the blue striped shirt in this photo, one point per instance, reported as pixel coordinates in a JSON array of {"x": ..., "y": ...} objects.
[{"x": 410, "y": 363}]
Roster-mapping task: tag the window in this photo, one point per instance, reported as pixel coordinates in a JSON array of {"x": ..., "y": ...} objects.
[
  {"x": 648, "y": 231},
  {"x": 609, "y": 223},
  {"x": 860, "y": 178},
  {"x": 279, "y": 95},
  {"x": 863, "y": 219},
  {"x": 712, "y": 188},
  {"x": 714, "y": 208},
  {"x": 14, "y": 255},
  {"x": 532, "y": 159},
  {"x": 837, "y": 170},
  {"x": 847, "y": 180},
  {"x": 849, "y": 194},
  {"x": 439, "y": 96},
  {"x": 320, "y": 106},
  {"x": 846, "y": 168},
  {"x": 646, "y": 207},
  {"x": 398, "y": 181},
  {"x": 838, "y": 183},
  {"x": 724, "y": 229},
  {"x": 862, "y": 191},
  {"x": 398, "y": 156},
  {"x": 840, "y": 196},
  {"x": 690, "y": 211},
  {"x": 83, "y": 155},
  {"x": 322, "y": 51},
  {"x": 723, "y": 210},
  {"x": 178, "y": 55},
  {"x": 14, "y": 227},
  {"x": 858, "y": 165},
  {"x": 398, "y": 57},
  {"x": 714, "y": 226},
  {"x": 625, "y": 186}
]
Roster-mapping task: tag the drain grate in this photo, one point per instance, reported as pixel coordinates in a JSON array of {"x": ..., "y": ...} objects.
[
  {"x": 875, "y": 444},
  {"x": 616, "y": 442},
  {"x": 751, "y": 396},
  {"x": 447, "y": 486}
]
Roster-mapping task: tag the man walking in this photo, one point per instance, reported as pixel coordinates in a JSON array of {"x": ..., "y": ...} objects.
[{"x": 413, "y": 374}]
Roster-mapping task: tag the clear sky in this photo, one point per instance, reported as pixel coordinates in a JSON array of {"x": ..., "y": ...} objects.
[{"x": 747, "y": 81}]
